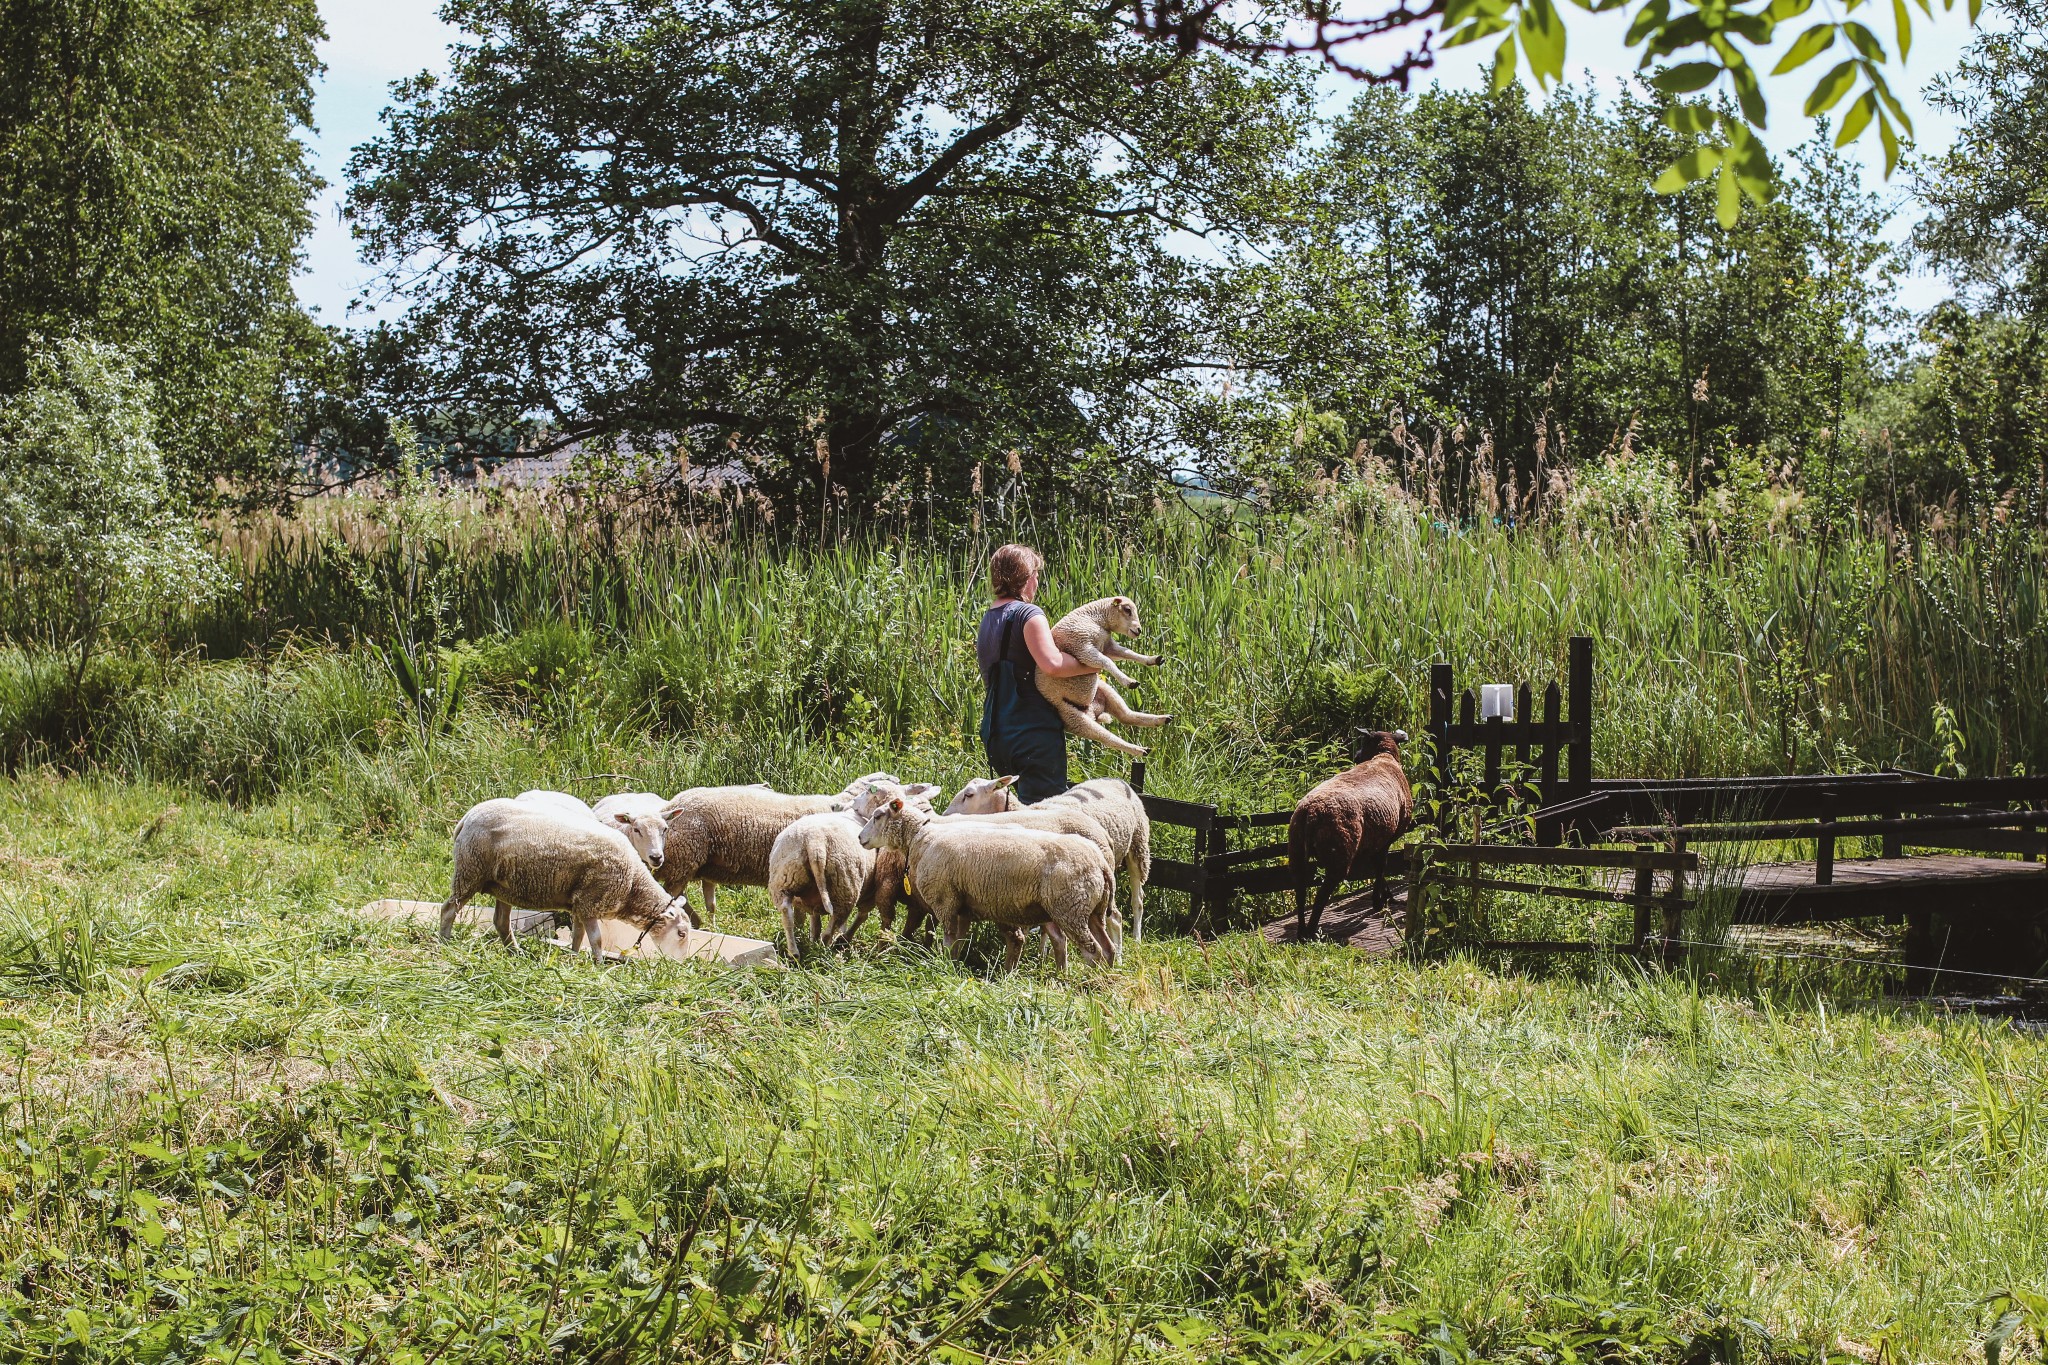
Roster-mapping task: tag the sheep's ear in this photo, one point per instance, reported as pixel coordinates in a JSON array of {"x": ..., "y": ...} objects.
[
  {"x": 922, "y": 791},
  {"x": 1003, "y": 782}
]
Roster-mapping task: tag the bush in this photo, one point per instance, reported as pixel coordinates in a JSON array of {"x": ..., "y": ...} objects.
[
  {"x": 1630, "y": 496},
  {"x": 240, "y": 732},
  {"x": 47, "y": 716},
  {"x": 94, "y": 542},
  {"x": 1328, "y": 701}
]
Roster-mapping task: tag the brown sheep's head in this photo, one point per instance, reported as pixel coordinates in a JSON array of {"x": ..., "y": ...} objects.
[
  {"x": 1368, "y": 744},
  {"x": 1120, "y": 617}
]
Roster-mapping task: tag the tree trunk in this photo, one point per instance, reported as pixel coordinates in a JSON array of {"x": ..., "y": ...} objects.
[{"x": 854, "y": 415}]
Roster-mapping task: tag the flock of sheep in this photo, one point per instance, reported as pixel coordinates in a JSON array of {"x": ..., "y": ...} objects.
[
  {"x": 1052, "y": 865},
  {"x": 825, "y": 859},
  {"x": 831, "y": 860}
]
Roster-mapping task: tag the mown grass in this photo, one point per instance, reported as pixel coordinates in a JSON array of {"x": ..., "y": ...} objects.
[{"x": 244, "y": 1124}]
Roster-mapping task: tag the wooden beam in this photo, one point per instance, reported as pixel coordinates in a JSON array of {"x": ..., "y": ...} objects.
[
  {"x": 1524, "y": 855},
  {"x": 1603, "y": 895},
  {"x": 1910, "y": 825}
]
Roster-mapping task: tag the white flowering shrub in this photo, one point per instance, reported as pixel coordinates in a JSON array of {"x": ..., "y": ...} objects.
[
  {"x": 1629, "y": 496},
  {"x": 91, "y": 540}
]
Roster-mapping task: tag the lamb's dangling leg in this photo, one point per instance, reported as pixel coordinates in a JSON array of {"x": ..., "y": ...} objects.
[
  {"x": 1108, "y": 699},
  {"x": 1086, "y": 726},
  {"x": 1119, "y": 650}
]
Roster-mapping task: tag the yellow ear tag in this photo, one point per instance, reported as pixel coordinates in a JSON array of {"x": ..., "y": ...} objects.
[{"x": 906, "y": 884}]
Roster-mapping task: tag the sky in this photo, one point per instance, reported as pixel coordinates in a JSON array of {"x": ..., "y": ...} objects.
[{"x": 372, "y": 43}]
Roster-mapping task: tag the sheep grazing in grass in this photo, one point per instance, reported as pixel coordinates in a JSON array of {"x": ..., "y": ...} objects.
[
  {"x": 818, "y": 867},
  {"x": 642, "y": 827},
  {"x": 1089, "y": 633},
  {"x": 1345, "y": 826},
  {"x": 537, "y": 856},
  {"x": 723, "y": 835},
  {"x": 1106, "y": 810},
  {"x": 1013, "y": 877}
]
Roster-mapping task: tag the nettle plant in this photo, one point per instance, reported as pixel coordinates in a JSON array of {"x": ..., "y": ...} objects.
[{"x": 94, "y": 542}]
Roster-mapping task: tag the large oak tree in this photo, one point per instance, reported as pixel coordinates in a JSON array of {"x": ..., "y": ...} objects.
[{"x": 923, "y": 232}]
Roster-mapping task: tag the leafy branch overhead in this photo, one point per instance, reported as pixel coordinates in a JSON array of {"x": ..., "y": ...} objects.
[{"x": 1689, "y": 48}]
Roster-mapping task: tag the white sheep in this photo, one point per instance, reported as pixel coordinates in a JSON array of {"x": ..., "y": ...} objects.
[
  {"x": 1108, "y": 810},
  {"x": 1014, "y": 877},
  {"x": 723, "y": 835},
  {"x": 642, "y": 827},
  {"x": 818, "y": 867},
  {"x": 535, "y": 856}
]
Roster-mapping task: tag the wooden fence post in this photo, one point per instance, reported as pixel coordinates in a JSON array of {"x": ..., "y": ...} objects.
[
  {"x": 1579, "y": 681},
  {"x": 1824, "y": 852},
  {"x": 1548, "y": 792},
  {"x": 1440, "y": 721},
  {"x": 1674, "y": 910},
  {"x": 1645, "y": 889}
]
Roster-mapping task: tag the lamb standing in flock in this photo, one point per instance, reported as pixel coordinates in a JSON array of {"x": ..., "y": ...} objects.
[
  {"x": 818, "y": 867},
  {"x": 1014, "y": 877},
  {"x": 1107, "y": 811},
  {"x": 540, "y": 856}
]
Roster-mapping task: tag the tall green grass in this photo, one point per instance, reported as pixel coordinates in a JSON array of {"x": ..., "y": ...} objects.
[
  {"x": 1279, "y": 636},
  {"x": 240, "y": 1123}
]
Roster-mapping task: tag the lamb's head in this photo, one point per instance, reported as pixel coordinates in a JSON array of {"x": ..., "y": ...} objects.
[
  {"x": 982, "y": 796},
  {"x": 893, "y": 823},
  {"x": 647, "y": 832},
  {"x": 1120, "y": 617},
  {"x": 883, "y": 788},
  {"x": 859, "y": 786},
  {"x": 669, "y": 935},
  {"x": 1368, "y": 744}
]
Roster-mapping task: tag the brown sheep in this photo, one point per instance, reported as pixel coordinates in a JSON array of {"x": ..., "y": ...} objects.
[{"x": 1346, "y": 825}]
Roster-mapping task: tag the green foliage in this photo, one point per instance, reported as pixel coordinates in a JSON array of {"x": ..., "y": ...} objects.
[
  {"x": 1713, "y": 36},
  {"x": 156, "y": 199},
  {"x": 1628, "y": 496},
  {"x": 94, "y": 541},
  {"x": 1988, "y": 194},
  {"x": 1457, "y": 259},
  {"x": 942, "y": 229}
]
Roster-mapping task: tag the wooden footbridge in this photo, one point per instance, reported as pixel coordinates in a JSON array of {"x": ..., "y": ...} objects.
[{"x": 1962, "y": 863}]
